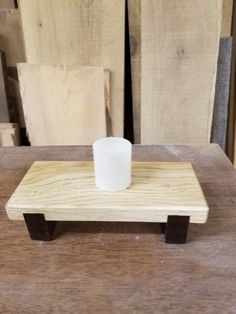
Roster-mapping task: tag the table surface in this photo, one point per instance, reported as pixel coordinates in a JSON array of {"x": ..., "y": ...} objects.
[
  {"x": 66, "y": 191},
  {"x": 121, "y": 267}
]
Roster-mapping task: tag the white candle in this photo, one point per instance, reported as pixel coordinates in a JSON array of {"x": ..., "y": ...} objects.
[{"x": 112, "y": 163}]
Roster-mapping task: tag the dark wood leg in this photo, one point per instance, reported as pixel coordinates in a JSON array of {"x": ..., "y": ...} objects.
[
  {"x": 177, "y": 229},
  {"x": 163, "y": 227},
  {"x": 38, "y": 227}
]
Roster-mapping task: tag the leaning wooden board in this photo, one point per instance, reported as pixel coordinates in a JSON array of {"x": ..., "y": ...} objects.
[
  {"x": 7, "y": 4},
  {"x": 179, "y": 50},
  {"x": 4, "y": 96},
  {"x": 63, "y": 104},
  {"x": 11, "y": 38},
  {"x": 79, "y": 32},
  {"x": 134, "y": 15},
  {"x": 14, "y": 91},
  {"x": 9, "y": 134},
  {"x": 66, "y": 190},
  {"x": 221, "y": 104},
  {"x": 227, "y": 16}
]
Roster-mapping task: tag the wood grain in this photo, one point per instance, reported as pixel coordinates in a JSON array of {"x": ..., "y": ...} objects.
[
  {"x": 79, "y": 32},
  {"x": 134, "y": 13},
  {"x": 179, "y": 53},
  {"x": 66, "y": 191},
  {"x": 121, "y": 267},
  {"x": 11, "y": 39},
  {"x": 63, "y": 104},
  {"x": 227, "y": 16}
]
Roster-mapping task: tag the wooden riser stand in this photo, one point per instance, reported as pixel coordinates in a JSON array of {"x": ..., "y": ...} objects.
[{"x": 51, "y": 191}]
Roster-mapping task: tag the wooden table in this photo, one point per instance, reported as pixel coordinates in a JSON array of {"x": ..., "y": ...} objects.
[{"x": 121, "y": 267}]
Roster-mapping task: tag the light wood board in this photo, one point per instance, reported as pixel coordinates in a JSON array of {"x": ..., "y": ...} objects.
[
  {"x": 11, "y": 39},
  {"x": 9, "y": 134},
  {"x": 66, "y": 191},
  {"x": 79, "y": 32},
  {"x": 179, "y": 50},
  {"x": 134, "y": 14},
  {"x": 63, "y": 104},
  {"x": 227, "y": 15},
  {"x": 7, "y": 4}
]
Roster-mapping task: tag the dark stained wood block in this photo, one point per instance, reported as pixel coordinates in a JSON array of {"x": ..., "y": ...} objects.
[
  {"x": 177, "y": 229},
  {"x": 38, "y": 227}
]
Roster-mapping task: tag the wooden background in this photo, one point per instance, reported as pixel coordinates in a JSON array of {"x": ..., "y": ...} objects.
[{"x": 161, "y": 57}]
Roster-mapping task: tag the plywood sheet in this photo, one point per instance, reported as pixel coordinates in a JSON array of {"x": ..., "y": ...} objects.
[
  {"x": 79, "y": 32},
  {"x": 134, "y": 15},
  {"x": 180, "y": 42},
  {"x": 11, "y": 39},
  {"x": 63, "y": 104},
  {"x": 157, "y": 190}
]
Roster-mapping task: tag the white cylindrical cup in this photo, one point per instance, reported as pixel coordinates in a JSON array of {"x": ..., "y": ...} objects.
[{"x": 112, "y": 163}]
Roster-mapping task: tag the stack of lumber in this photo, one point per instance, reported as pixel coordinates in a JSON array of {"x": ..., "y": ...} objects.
[
  {"x": 78, "y": 33},
  {"x": 11, "y": 52},
  {"x": 71, "y": 58}
]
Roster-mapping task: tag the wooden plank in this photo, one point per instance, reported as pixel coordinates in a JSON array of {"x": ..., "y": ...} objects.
[
  {"x": 107, "y": 92},
  {"x": 79, "y": 32},
  {"x": 231, "y": 138},
  {"x": 134, "y": 14},
  {"x": 227, "y": 15},
  {"x": 14, "y": 91},
  {"x": 9, "y": 138},
  {"x": 173, "y": 187},
  {"x": 7, "y": 4},
  {"x": 7, "y": 125},
  {"x": 220, "y": 114},
  {"x": 63, "y": 104},
  {"x": 9, "y": 134},
  {"x": 11, "y": 36},
  {"x": 180, "y": 43},
  {"x": 4, "y": 97}
]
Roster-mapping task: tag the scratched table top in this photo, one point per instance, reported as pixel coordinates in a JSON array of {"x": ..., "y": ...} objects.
[{"x": 121, "y": 267}]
